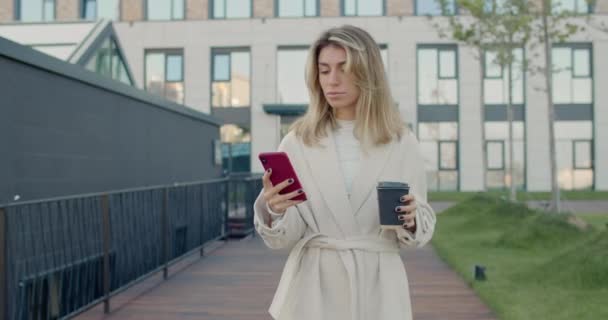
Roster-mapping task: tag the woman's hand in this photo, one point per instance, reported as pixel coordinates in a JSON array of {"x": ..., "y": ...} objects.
[
  {"x": 407, "y": 212},
  {"x": 279, "y": 202}
]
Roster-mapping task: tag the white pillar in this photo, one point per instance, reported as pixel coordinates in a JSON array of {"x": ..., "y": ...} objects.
[{"x": 470, "y": 124}]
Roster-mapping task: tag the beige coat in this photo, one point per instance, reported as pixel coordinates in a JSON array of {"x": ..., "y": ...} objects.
[{"x": 341, "y": 265}]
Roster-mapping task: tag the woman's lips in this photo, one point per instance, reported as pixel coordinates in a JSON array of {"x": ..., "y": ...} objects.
[{"x": 334, "y": 94}]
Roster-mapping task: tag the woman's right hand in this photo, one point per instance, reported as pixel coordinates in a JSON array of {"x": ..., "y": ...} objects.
[{"x": 278, "y": 202}]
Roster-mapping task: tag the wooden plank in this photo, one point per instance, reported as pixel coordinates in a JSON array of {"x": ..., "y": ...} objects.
[{"x": 238, "y": 280}]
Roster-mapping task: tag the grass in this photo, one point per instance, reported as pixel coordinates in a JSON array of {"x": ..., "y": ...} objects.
[
  {"x": 598, "y": 220},
  {"x": 537, "y": 265},
  {"x": 521, "y": 195}
]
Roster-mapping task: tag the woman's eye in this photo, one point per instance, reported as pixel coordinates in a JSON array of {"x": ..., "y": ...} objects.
[{"x": 324, "y": 72}]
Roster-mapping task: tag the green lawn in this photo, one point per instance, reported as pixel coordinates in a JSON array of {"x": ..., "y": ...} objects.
[
  {"x": 599, "y": 221},
  {"x": 538, "y": 266},
  {"x": 521, "y": 195}
]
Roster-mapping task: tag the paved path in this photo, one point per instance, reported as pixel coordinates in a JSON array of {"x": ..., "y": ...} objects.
[{"x": 237, "y": 282}]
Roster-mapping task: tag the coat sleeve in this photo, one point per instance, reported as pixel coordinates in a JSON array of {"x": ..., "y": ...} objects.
[
  {"x": 415, "y": 176},
  {"x": 286, "y": 229}
]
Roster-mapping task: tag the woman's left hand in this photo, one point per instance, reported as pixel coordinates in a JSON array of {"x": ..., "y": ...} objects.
[{"x": 407, "y": 212}]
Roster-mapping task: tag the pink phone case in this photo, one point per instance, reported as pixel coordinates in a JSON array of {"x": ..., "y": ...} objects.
[{"x": 281, "y": 171}]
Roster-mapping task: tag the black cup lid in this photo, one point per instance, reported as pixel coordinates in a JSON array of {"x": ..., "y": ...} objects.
[{"x": 392, "y": 184}]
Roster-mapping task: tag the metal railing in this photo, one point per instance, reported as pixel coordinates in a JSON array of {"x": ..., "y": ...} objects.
[{"x": 59, "y": 257}]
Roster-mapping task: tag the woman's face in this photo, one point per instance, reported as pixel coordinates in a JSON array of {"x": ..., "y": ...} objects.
[{"x": 338, "y": 86}]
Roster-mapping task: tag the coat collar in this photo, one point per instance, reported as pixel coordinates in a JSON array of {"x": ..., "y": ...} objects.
[{"x": 327, "y": 173}]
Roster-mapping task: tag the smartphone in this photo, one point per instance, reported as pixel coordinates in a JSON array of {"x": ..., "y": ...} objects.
[{"x": 281, "y": 171}]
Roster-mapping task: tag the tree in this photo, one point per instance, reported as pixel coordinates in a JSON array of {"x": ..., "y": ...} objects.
[
  {"x": 501, "y": 26},
  {"x": 498, "y": 28}
]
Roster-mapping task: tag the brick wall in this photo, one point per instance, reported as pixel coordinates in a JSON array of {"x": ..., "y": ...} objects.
[
  {"x": 132, "y": 10},
  {"x": 330, "y": 8},
  {"x": 6, "y": 10},
  {"x": 197, "y": 9},
  {"x": 67, "y": 10}
]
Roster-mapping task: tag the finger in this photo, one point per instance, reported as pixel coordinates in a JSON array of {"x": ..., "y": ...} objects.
[
  {"x": 408, "y": 208},
  {"x": 408, "y": 197},
  {"x": 266, "y": 179},
  {"x": 407, "y": 217},
  {"x": 290, "y": 195},
  {"x": 276, "y": 189},
  {"x": 409, "y": 224}
]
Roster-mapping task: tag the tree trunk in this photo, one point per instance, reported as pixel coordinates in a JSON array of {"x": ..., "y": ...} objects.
[
  {"x": 555, "y": 192},
  {"x": 512, "y": 194}
]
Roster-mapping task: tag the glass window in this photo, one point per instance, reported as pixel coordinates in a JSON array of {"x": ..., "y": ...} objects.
[
  {"x": 107, "y": 9},
  {"x": 236, "y": 148},
  {"x": 498, "y": 160},
  {"x": 433, "y": 7},
  {"x": 297, "y": 8},
  {"x": 231, "y": 82},
  {"x": 165, "y": 9},
  {"x": 226, "y": 9},
  {"x": 437, "y": 76},
  {"x": 164, "y": 74},
  {"x": 36, "y": 10},
  {"x": 363, "y": 7},
  {"x": 572, "y": 78},
  {"x": 291, "y": 84},
  {"x": 571, "y": 6},
  {"x": 448, "y": 156},
  {"x": 495, "y": 154},
  {"x": 496, "y": 79},
  {"x": 574, "y": 152},
  {"x": 439, "y": 147},
  {"x": 108, "y": 62}
]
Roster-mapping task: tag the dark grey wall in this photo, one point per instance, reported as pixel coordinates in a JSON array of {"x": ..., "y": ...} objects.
[{"x": 65, "y": 130}]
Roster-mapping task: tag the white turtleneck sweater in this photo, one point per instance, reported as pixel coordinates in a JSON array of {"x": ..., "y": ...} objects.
[
  {"x": 349, "y": 151},
  {"x": 349, "y": 154}
]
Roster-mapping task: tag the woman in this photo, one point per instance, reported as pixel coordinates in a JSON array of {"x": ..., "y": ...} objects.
[{"x": 342, "y": 265}]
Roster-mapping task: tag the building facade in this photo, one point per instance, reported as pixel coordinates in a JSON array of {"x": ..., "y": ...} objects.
[{"x": 243, "y": 61}]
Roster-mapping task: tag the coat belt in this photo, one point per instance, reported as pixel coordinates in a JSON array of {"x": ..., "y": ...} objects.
[{"x": 317, "y": 240}]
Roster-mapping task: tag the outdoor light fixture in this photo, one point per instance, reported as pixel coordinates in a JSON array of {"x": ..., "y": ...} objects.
[{"x": 479, "y": 273}]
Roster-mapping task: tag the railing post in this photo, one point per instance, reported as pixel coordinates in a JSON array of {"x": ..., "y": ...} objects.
[
  {"x": 164, "y": 225},
  {"x": 105, "y": 205},
  {"x": 3, "y": 267},
  {"x": 225, "y": 229}
]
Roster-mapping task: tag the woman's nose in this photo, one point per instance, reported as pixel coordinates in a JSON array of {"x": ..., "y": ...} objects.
[{"x": 334, "y": 78}]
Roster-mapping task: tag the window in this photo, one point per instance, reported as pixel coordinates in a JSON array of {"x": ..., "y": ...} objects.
[
  {"x": 570, "y": 6},
  {"x": 96, "y": 9},
  {"x": 236, "y": 148},
  {"x": 574, "y": 147},
  {"x": 433, "y": 8},
  {"x": 362, "y": 7},
  {"x": 108, "y": 62},
  {"x": 439, "y": 146},
  {"x": 500, "y": 7},
  {"x": 437, "y": 76},
  {"x": 164, "y": 74},
  {"x": 572, "y": 77},
  {"x": 35, "y": 10},
  {"x": 227, "y": 9},
  {"x": 297, "y": 8},
  {"x": 291, "y": 85},
  {"x": 496, "y": 82},
  {"x": 231, "y": 79},
  {"x": 165, "y": 9},
  {"x": 498, "y": 165}
]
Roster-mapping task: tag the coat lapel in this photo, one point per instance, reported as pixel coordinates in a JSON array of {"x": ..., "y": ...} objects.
[
  {"x": 327, "y": 174},
  {"x": 371, "y": 166}
]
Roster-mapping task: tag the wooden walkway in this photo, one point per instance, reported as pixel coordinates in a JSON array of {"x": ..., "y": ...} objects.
[{"x": 237, "y": 280}]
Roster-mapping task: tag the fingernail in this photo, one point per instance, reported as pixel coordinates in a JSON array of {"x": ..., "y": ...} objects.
[
  {"x": 401, "y": 218},
  {"x": 300, "y": 191},
  {"x": 398, "y": 209},
  {"x": 269, "y": 170},
  {"x": 290, "y": 181},
  {"x": 402, "y": 199}
]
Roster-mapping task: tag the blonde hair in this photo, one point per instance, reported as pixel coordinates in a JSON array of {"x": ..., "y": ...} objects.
[{"x": 377, "y": 118}]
